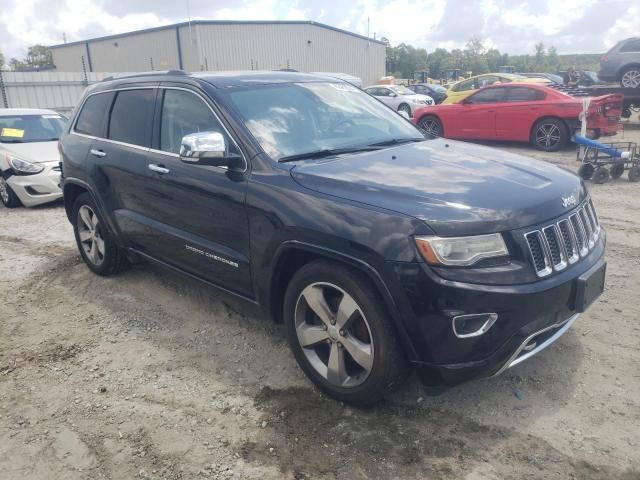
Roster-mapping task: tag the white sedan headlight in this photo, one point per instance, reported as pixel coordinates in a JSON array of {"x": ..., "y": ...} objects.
[
  {"x": 461, "y": 251},
  {"x": 22, "y": 166}
]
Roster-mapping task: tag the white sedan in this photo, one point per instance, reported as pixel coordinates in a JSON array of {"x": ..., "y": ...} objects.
[
  {"x": 29, "y": 159},
  {"x": 399, "y": 97}
]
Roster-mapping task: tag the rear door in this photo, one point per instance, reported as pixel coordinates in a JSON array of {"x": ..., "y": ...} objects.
[
  {"x": 521, "y": 108},
  {"x": 477, "y": 117}
]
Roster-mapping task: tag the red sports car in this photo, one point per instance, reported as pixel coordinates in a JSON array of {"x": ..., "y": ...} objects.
[{"x": 521, "y": 112}]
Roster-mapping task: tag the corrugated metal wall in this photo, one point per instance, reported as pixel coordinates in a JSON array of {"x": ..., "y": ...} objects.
[
  {"x": 58, "y": 91},
  {"x": 258, "y": 46}
]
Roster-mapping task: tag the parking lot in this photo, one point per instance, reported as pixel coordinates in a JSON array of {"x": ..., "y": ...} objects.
[{"x": 150, "y": 375}]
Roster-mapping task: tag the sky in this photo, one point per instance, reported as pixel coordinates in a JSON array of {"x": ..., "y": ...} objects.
[{"x": 512, "y": 26}]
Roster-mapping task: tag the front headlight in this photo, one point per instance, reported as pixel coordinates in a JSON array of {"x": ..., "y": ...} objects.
[
  {"x": 461, "y": 251},
  {"x": 22, "y": 166}
]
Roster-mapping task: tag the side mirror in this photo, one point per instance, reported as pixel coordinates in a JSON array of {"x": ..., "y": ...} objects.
[
  {"x": 392, "y": 94},
  {"x": 207, "y": 148}
]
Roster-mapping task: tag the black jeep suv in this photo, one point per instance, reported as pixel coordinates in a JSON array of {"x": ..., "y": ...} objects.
[{"x": 378, "y": 248}]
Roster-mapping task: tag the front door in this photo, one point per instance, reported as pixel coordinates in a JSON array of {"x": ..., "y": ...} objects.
[
  {"x": 477, "y": 114},
  {"x": 196, "y": 218}
]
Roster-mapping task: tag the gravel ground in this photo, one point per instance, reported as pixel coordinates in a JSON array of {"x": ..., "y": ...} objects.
[{"x": 149, "y": 375}]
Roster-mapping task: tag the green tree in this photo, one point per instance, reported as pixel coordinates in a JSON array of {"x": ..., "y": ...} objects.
[{"x": 39, "y": 56}]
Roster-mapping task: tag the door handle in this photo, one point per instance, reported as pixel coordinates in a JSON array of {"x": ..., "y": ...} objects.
[
  {"x": 158, "y": 168},
  {"x": 97, "y": 153}
]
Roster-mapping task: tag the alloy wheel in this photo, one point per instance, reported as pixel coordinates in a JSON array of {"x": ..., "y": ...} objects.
[
  {"x": 334, "y": 334},
  {"x": 548, "y": 135},
  {"x": 4, "y": 190},
  {"x": 431, "y": 127},
  {"x": 90, "y": 235},
  {"x": 631, "y": 79}
]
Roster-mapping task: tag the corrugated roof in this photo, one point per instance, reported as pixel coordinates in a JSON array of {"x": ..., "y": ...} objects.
[{"x": 218, "y": 22}]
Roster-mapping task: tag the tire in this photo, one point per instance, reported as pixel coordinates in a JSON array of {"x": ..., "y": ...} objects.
[
  {"x": 549, "y": 134},
  {"x": 403, "y": 107},
  {"x": 586, "y": 171},
  {"x": 7, "y": 195},
  {"x": 368, "y": 332},
  {"x": 616, "y": 170},
  {"x": 95, "y": 242},
  {"x": 634, "y": 174},
  {"x": 431, "y": 126},
  {"x": 630, "y": 77},
  {"x": 601, "y": 175}
]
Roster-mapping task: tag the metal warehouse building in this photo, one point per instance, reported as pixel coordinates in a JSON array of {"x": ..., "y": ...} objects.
[{"x": 228, "y": 45}]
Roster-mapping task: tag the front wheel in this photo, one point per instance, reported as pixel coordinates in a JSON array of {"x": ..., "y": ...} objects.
[
  {"x": 340, "y": 334},
  {"x": 7, "y": 195},
  {"x": 95, "y": 242},
  {"x": 601, "y": 175},
  {"x": 549, "y": 134},
  {"x": 405, "y": 108},
  {"x": 431, "y": 126}
]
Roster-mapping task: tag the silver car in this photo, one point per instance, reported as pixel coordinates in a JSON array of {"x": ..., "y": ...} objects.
[
  {"x": 399, "y": 97},
  {"x": 29, "y": 158}
]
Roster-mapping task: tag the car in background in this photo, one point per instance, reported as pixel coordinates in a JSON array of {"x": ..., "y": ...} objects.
[
  {"x": 460, "y": 90},
  {"x": 399, "y": 97},
  {"x": 551, "y": 77},
  {"x": 437, "y": 92},
  {"x": 543, "y": 116},
  {"x": 586, "y": 78},
  {"x": 622, "y": 63},
  {"x": 29, "y": 159}
]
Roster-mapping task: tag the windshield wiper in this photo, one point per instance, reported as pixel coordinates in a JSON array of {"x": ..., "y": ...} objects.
[
  {"x": 395, "y": 141},
  {"x": 11, "y": 141},
  {"x": 327, "y": 152}
]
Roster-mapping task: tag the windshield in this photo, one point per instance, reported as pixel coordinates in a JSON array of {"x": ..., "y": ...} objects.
[
  {"x": 31, "y": 128},
  {"x": 401, "y": 90},
  {"x": 297, "y": 118}
]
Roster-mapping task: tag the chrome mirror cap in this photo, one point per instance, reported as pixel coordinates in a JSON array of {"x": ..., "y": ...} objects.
[{"x": 202, "y": 145}]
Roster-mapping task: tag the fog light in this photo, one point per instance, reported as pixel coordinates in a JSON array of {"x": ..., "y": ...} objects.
[{"x": 473, "y": 325}]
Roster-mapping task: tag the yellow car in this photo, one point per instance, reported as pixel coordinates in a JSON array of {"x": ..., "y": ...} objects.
[{"x": 464, "y": 88}]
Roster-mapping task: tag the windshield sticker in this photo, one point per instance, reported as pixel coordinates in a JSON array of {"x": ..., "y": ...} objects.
[
  {"x": 12, "y": 132},
  {"x": 52, "y": 116}
]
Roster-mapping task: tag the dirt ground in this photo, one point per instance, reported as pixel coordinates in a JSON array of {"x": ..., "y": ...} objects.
[{"x": 150, "y": 375}]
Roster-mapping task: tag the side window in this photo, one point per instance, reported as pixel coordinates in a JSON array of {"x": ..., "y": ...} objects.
[
  {"x": 384, "y": 92},
  {"x": 487, "y": 80},
  {"x": 184, "y": 113},
  {"x": 373, "y": 91},
  {"x": 91, "y": 118},
  {"x": 490, "y": 95},
  {"x": 463, "y": 86},
  {"x": 131, "y": 117},
  {"x": 523, "y": 94},
  {"x": 631, "y": 46}
]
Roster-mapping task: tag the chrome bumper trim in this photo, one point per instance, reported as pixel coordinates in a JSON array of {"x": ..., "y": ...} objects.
[{"x": 516, "y": 358}]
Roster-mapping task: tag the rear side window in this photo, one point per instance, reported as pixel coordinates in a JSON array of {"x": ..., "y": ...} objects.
[
  {"x": 131, "y": 117},
  {"x": 522, "y": 94},
  {"x": 91, "y": 118},
  {"x": 462, "y": 86},
  {"x": 631, "y": 46}
]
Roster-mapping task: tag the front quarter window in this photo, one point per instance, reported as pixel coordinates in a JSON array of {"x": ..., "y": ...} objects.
[{"x": 295, "y": 118}]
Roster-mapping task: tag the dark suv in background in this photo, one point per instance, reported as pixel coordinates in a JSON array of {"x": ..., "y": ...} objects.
[
  {"x": 622, "y": 64},
  {"x": 378, "y": 248}
]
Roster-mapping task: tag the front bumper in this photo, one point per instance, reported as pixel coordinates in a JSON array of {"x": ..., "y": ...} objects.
[
  {"x": 39, "y": 188},
  {"x": 530, "y": 317}
]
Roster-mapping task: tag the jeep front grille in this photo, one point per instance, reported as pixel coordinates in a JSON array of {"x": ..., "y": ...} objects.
[{"x": 557, "y": 245}]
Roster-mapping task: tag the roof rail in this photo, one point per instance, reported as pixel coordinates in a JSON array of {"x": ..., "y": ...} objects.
[{"x": 145, "y": 74}]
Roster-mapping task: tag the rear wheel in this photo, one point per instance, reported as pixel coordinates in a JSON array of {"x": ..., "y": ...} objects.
[
  {"x": 616, "y": 170},
  {"x": 7, "y": 195},
  {"x": 549, "y": 134},
  {"x": 634, "y": 174},
  {"x": 340, "y": 333},
  {"x": 630, "y": 78},
  {"x": 95, "y": 242},
  {"x": 431, "y": 126},
  {"x": 601, "y": 175}
]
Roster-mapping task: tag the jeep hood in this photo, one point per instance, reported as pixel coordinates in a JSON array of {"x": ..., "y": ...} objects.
[
  {"x": 35, "y": 152},
  {"x": 457, "y": 188}
]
